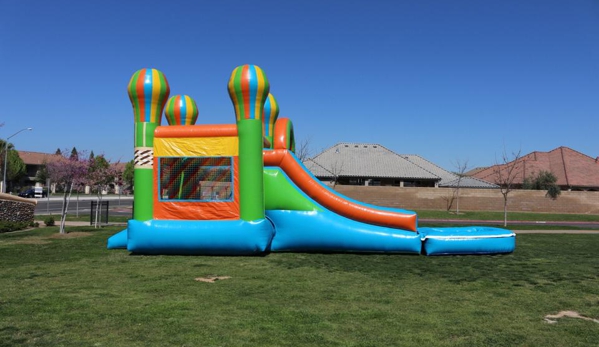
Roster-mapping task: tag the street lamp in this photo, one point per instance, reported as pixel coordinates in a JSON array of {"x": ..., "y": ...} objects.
[{"x": 6, "y": 156}]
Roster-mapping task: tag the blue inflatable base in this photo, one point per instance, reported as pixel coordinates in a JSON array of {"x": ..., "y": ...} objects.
[
  {"x": 118, "y": 240},
  {"x": 235, "y": 237},
  {"x": 312, "y": 231},
  {"x": 467, "y": 240},
  {"x": 304, "y": 231}
]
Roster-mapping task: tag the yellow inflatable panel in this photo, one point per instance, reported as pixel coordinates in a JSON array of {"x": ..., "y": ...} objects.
[{"x": 196, "y": 147}]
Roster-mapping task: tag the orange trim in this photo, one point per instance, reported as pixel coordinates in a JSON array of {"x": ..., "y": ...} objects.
[
  {"x": 280, "y": 134},
  {"x": 332, "y": 201},
  {"x": 196, "y": 210},
  {"x": 216, "y": 130}
]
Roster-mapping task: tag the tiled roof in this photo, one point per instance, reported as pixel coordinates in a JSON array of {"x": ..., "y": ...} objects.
[
  {"x": 368, "y": 160},
  {"x": 572, "y": 168},
  {"x": 448, "y": 179},
  {"x": 36, "y": 158},
  {"x": 316, "y": 169},
  {"x": 365, "y": 160}
]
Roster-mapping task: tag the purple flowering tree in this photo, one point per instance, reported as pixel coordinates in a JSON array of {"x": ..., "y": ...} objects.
[{"x": 67, "y": 172}]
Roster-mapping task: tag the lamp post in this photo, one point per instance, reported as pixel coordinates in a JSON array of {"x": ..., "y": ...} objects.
[{"x": 6, "y": 156}]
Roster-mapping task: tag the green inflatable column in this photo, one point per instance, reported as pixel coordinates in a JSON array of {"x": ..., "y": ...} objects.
[
  {"x": 148, "y": 92},
  {"x": 248, "y": 89}
]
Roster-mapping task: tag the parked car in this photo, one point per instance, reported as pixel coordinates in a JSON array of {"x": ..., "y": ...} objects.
[{"x": 31, "y": 193}]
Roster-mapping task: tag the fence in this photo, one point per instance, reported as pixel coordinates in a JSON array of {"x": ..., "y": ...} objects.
[{"x": 102, "y": 210}]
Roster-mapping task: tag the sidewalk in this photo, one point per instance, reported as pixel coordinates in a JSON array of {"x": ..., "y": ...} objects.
[
  {"x": 510, "y": 223},
  {"x": 88, "y": 198},
  {"x": 78, "y": 223}
]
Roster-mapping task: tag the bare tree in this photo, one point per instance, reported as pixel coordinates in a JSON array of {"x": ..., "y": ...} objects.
[
  {"x": 505, "y": 174},
  {"x": 336, "y": 169},
  {"x": 303, "y": 151},
  {"x": 462, "y": 167},
  {"x": 449, "y": 199}
]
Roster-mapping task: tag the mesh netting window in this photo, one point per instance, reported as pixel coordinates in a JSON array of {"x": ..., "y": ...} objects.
[{"x": 203, "y": 179}]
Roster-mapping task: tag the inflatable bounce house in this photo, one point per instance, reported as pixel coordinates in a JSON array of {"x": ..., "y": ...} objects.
[{"x": 238, "y": 189}]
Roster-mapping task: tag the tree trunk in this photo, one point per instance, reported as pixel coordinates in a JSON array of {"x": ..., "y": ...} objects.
[
  {"x": 98, "y": 207},
  {"x": 457, "y": 201},
  {"x": 505, "y": 210},
  {"x": 65, "y": 208},
  {"x": 63, "y": 212}
]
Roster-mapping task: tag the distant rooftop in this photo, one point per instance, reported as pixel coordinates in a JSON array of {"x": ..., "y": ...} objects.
[
  {"x": 574, "y": 170},
  {"x": 368, "y": 160},
  {"x": 448, "y": 179},
  {"x": 36, "y": 158}
]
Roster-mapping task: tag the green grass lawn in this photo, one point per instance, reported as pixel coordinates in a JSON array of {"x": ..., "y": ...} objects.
[{"x": 73, "y": 292}]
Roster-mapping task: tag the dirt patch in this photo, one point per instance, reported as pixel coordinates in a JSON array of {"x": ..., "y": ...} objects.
[
  {"x": 552, "y": 318},
  {"x": 212, "y": 279},
  {"x": 72, "y": 235}
]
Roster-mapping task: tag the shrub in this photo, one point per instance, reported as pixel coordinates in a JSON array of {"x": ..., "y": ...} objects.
[
  {"x": 49, "y": 221},
  {"x": 6, "y": 226}
]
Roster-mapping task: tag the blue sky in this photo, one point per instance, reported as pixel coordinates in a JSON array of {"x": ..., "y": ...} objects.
[{"x": 448, "y": 80}]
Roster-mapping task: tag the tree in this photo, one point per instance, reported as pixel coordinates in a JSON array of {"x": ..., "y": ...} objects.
[
  {"x": 505, "y": 174},
  {"x": 303, "y": 151},
  {"x": 336, "y": 169},
  {"x": 67, "y": 172},
  {"x": 16, "y": 167},
  {"x": 462, "y": 167},
  {"x": 58, "y": 151},
  {"x": 544, "y": 180},
  {"x": 128, "y": 174},
  {"x": 91, "y": 156},
  {"x": 74, "y": 154},
  {"x": 99, "y": 176},
  {"x": 41, "y": 175}
]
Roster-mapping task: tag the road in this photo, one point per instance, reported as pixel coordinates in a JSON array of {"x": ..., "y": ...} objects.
[{"x": 118, "y": 206}]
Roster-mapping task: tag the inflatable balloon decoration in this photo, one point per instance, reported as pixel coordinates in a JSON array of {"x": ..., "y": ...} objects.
[
  {"x": 248, "y": 89},
  {"x": 271, "y": 112},
  {"x": 181, "y": 110},
  {"x": 148, "y": 90}
]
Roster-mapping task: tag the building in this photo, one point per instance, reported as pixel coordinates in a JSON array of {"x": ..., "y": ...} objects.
[
  {"x": 449, "y": 179},
  {"x": 34, "y": 161},
  {"x": 574, "y": 170},
  {"x": 375, "y": 165}
]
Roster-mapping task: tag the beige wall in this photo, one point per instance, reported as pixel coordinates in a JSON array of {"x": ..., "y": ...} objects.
[{"x": 474, "y": 199}]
